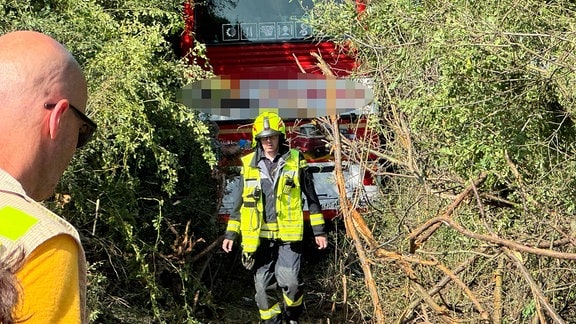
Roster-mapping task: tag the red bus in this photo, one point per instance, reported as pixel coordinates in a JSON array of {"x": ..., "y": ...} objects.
[
  {"x": 256, "y": 38},
  {"x": 267, "y": 39}
]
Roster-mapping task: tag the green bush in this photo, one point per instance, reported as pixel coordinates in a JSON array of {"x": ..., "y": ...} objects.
[
  {"x": 143, "y": 182},
  {"x": 464, "y": 88}
]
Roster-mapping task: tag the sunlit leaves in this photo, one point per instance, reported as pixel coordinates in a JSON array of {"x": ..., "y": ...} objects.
[{"x": 148, "y": 148}]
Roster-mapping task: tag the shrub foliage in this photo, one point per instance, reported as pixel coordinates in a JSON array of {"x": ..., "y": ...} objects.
[
  {"x": 140, "y": 192},
  {"x": 467, "y": 89}
]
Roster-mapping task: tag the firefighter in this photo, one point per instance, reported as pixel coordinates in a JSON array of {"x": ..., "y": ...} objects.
[{"x": 269, "y": 219}]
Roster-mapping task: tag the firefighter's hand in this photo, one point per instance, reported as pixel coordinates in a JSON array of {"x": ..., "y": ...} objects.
[
  {"x": 227, "y": 245},
  {"x": 248, "y": 261},
  {"x": 321, "y": 241}
]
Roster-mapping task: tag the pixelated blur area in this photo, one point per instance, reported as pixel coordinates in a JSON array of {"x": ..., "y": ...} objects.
[{"x": 306, "y": 96}]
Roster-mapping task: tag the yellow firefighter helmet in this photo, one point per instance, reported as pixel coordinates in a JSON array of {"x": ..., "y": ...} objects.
[{"x": 267, "y": 124}]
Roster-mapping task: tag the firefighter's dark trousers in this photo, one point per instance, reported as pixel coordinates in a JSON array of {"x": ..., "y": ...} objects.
[{"x": 277, "y": 264}]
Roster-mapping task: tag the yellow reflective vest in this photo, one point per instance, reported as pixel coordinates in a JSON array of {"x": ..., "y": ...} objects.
[{"x": 290, "y": 218}]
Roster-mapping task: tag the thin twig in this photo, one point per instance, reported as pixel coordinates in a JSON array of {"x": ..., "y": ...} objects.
[{"x": 534, "y": 286}]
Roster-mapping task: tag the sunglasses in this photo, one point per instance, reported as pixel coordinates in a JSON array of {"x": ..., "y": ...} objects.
[
  {"x": 269, "y": 138},
  {"x": 86, "y": 130}
]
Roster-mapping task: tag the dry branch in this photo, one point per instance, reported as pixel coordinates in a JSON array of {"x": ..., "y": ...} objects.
[
  {"x": 533, "y": 286},
  {"x": 439, "y": 310},
  {"x": 379, "y": 154},
  {"x": 500, "y": 241},
  {"x": 403, "y": 261},
  {"x": 497, "y": 314},
  {"x": 441, "y": 284},
  {"x": 348, "y": 210},
  {"x": 208, "y": 249},
  {"x": 507, "y": 246},
  {"x": 483, "y": 313},
  {"x": 324, "y": 67},
  {"x": 431, "y": 228}
]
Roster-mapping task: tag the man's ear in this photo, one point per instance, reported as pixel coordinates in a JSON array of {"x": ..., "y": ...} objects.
[{"x": 55, "y": 116}]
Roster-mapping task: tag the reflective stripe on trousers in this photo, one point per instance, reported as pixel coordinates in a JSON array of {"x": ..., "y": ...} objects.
[{"x": 278, "y": 265}]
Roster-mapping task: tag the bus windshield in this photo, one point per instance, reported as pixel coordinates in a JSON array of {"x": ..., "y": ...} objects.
[{"x": 260, "y": 21}]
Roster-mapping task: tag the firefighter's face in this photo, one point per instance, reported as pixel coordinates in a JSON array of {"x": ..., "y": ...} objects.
[{"x": 270, "y": 144}]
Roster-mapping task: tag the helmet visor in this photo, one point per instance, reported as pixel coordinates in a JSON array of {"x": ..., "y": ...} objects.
[{"x": 267, "y": 132}]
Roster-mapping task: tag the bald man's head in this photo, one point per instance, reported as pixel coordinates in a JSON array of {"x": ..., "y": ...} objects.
[
  {"x": 33, "y": 63},
  {"x": 39, "y": 81}
]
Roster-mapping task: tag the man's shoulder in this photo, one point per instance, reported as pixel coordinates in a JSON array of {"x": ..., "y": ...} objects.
[
  {"x": 23, "y": 216},
  {"x": 13, "y": 201}
]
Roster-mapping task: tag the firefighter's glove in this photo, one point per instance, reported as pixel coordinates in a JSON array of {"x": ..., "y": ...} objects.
[{"x": 248, "y": 261}]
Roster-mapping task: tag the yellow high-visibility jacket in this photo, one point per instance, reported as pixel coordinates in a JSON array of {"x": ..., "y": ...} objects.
[{"x": 289, "y": 225}]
